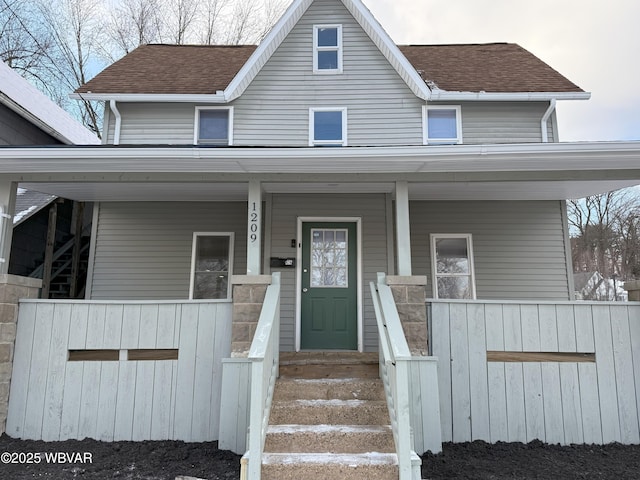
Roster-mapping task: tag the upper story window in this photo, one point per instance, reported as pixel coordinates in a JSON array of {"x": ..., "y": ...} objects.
[
  {"x": 211, "y": 265},
  {"x": 327, "y": 48},
  {"x": 442, "y": 125},
  {"x": 328, "y": 127},
  {"x": 452, "y": 266},
  {"x": 213, "y": 126}
]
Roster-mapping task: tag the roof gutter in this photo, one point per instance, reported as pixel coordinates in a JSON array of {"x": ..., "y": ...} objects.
[
  {"x": 444, "y": 96},
  {"x": 218, "y": 97}
]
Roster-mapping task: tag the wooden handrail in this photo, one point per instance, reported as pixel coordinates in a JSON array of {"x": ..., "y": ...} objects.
[{"x": 264, "y": 355}]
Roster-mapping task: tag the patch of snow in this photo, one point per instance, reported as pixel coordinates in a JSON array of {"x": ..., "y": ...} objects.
[
  {"x": 329, "y": 380},
  {"x": 333, "y": 402},
  {"x": 351, "y": 459},
  {"x": 20, "y": 215},
  {"x": 289, "y": 429}
]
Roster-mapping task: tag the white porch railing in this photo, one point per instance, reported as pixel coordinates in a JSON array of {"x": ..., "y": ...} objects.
[
  {"x": 118, "y": 397},
  {"x": 264, "y": 356},
  {"x": 559, "y": 372},
  {"x": 395, "y": 358}
]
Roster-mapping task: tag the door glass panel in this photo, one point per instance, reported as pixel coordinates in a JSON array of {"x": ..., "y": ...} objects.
[{"x": 329, "y": 258}]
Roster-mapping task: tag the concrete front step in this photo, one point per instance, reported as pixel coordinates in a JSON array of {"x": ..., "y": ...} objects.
[
  {"x": 346, "y": 371},
  {"x": 329, "y": 412},
  {"x": 328, "y": 365},
  {"x": 327, "y": 389},
  {"x": 318, "y": 466},
  {"x": 329, "y": 439}
]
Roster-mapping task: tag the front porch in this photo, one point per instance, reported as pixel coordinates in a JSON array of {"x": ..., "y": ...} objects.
[{"x": 560, "y": 372}]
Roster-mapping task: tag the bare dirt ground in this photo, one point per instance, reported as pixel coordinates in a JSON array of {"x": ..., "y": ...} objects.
[
  {"x": 167, "y": 460},
  {"x": 517, "y": 461}
]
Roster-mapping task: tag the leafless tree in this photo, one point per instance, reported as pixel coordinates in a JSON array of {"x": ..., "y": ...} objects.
[
  {"x": 61, "y": 44},
  {"x": 23, "y": 44},
  {"x": 251, "y": 20},
  {"x": 131, "y": 23},
  {"x": 178, "y": 20},
  {"x": 606, "y": 234},
  {"x": 75, "y": 31},
  {"x": 211, "y": 13}
]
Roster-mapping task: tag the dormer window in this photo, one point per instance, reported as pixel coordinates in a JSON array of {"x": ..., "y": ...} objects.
[
  {"x": 213, "y": 126},
  {"x": 327, "y": 49},
  {"x": 327, "y": 127},
  {"x": 442, "y": 125}
]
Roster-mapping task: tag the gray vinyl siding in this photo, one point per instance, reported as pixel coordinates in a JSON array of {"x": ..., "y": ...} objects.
[
  {"x": 274, "y": 110},
  {"x": 370, "y": 208},
  {"x": 504, "y": 122},
  {"x": 154, "y": 123},
  {"x": 143, "y": 249},
  {"x": 518, "y": 247},
  {"x": 381, "y": 109},
  {"x": 282, "y": 123},
  {"x": 15, "y": 130}
]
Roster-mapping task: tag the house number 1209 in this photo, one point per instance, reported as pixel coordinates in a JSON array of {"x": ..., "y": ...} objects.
[{"x": 253, "y": 223}]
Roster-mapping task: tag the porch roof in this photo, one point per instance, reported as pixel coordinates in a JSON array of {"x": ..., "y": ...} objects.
[{"x": 451, "y": 172}]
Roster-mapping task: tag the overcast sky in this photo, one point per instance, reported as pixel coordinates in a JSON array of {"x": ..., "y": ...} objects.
[{"x": 594, "y": 44}]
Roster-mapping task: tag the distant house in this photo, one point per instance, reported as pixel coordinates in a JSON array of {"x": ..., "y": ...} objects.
[
  {"x": 317, "y": 171},
  {"x": 593, "y": 286},
  {"x": 27, "y": 117}
]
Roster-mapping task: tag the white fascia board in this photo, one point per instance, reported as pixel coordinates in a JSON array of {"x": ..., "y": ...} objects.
[
  {"x": 578, "y": 156},
  {"x": 388, "y": 48},
  {"x": 267, "y": 47},
  {"x": 447, "y": 96},
  {"x": 151, "y": 97}
]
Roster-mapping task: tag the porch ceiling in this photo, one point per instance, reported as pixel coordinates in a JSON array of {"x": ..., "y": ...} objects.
[{"x": 454, "y": 172}]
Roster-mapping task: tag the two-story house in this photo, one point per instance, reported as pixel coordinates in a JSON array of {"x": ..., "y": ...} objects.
[{"x": 328, "y": 154}]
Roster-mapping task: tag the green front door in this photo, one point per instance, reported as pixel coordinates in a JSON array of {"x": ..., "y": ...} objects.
[{"x": 329, "y": 307}]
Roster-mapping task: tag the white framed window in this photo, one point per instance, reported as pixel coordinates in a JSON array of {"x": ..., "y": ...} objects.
[
  {"x": 213, "y": 126},
  {"x": 327, "y": 49},
  {"x": 442, "y": 124},
  {"x": 327, "y": 127},
  {"x": 452, "y": 266},
  {"x": 211, "y": 265}
]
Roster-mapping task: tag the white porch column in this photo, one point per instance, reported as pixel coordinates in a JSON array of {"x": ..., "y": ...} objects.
[
  {"x": 254, "y": 228},
  {"x": 8, "y": 192},
  {"x": 403, "y": 233}
]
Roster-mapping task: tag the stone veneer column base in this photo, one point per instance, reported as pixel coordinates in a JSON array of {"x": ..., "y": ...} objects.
[
  {"x": 248, "y": 296},
  {"x": 633, "y": 288},
  {"x": 410, "y": 295},
  {"x": 12, "y": 289}
]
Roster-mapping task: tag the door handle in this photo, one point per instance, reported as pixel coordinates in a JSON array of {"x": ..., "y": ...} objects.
[{"x": 305, "y": 290}]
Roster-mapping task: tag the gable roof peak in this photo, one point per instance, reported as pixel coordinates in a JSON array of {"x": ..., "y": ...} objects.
[{"x": 290, "y": 18}]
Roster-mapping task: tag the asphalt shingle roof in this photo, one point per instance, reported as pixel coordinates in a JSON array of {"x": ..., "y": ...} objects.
[
  {"x": 182, "y": 69},
  {"x": 493, "y": 67}
]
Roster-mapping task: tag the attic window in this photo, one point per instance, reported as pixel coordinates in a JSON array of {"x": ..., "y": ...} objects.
[
  {"x": 442, "y": 125},
  {"x": 327, "y": 48},
  {"x": 213, "y": 126}
]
